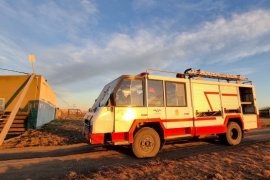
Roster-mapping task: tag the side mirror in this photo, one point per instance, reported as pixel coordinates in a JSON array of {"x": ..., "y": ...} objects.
[{"x": 112, "y": 100}]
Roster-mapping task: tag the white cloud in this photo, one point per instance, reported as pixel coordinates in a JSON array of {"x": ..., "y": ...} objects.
[
  {"x": 49, "y": 19},
  {"x": 89, "y": 6},
  {"x": 74, "y": 62},
  {"x": 143, "y": 3},
  {"x": 207, "y": 5},
  {"x": 12, "y": 55},
  {"x": 122, "y": 53},
  {"x": 221, "y": 41},
  {"x": 228, "y": 40},
  {"x": 81, "y": 61}
]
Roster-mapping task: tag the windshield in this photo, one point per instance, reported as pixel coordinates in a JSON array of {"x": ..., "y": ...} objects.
[{"x": 105, "y": 94}]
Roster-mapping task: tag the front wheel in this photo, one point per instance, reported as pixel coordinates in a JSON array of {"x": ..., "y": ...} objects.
[
  {"x": 146, "y": 143},
  {"x": 234, "y": 134}
]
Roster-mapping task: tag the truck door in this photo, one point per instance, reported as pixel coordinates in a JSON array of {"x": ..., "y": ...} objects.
[
  {"x": 178, "y": 113},
  {"x": 155, "y": 94},
  {"x": 129, "y": 104},
  {"x": 248, "y": 107}
]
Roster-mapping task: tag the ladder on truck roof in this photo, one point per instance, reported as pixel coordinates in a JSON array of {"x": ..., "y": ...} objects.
[{"x": 200, "y": 74}]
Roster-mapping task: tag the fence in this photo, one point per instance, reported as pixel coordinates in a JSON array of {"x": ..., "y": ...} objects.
[
  {"x": 265, "y": 112},
  {"x": 70, "y": 114}
]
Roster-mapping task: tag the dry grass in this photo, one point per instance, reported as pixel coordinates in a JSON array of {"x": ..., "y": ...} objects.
[
  {"x": 55, "y": 133},
  {"x": 265, "y": 122}
]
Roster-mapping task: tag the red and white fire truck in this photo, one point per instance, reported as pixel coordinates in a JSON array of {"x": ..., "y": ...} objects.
[{"x": 144, "y": 111}]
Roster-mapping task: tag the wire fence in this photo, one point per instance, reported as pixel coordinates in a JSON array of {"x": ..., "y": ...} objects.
[{"x": 265, "y": 112}]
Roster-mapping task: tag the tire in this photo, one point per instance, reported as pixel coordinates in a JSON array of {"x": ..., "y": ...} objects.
[
  {"x": 146, "y": 143},
  {"x": 234, "y": 134}
]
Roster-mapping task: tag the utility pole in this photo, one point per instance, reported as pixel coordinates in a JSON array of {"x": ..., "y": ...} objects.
[{"x": 32, "y": 60}]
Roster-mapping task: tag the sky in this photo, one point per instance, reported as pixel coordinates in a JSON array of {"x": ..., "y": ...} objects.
[{"x": 81, "y": 45}]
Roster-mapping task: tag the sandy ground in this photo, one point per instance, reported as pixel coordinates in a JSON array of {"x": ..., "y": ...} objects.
[
  {"x": 56, "y": 133},
  {"x": 247, "y": 162}
]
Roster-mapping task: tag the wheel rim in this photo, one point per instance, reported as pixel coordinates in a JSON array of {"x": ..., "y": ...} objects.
[
  {"x": 147, "y": 143},
  {"x": 234, "y": 134}
]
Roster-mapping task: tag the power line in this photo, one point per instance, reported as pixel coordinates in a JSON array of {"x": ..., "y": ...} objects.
[
  {"x": 13, "y": 71},
  {"x": 64, "y": 101}
]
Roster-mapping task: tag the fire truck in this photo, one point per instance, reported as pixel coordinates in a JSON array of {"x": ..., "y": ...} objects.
[{"x": 146, "y": 110}]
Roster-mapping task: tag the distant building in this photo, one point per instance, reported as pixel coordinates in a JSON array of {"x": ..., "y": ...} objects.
[{"x": 37, "y": 107}]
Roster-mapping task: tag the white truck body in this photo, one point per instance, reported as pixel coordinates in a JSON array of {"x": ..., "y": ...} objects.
[{"x": 195, "y": 103}]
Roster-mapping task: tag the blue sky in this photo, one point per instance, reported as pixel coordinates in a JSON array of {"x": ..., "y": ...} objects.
[{"x": 80, "y": 45}]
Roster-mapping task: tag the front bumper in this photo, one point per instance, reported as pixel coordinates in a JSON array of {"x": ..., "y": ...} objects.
[{"x": 93, "y": 138}]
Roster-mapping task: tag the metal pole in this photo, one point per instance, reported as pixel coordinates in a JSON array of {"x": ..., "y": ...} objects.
[{"x": 33, "y": 68}]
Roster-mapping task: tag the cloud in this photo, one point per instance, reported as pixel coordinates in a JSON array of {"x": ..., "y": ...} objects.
[
  {"x": 89, "y": 6},
  {"x": 220, "y": 41},
  {"x": 47, "y": 19},
  {"x": 207, "y": 5},
  {"x": 12, "y": 55},
  {"x": 119, "y": 54},
  {"x": 71, "y": 58},
  {"x": 71, "y": 52},
  {"x": 31, "y": 26},
  {"x": 139, "y": 4},
  {"x": 227, "y": 40}
]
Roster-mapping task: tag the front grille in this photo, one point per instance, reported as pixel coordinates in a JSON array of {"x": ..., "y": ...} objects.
[{"x": 87, "y": 126}]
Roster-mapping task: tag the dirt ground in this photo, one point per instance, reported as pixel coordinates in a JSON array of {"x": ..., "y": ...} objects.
[
  {"x": 246, "y": 163},
  {"x": 251, "y": 162},
  {"x": 56, "y": 133}
]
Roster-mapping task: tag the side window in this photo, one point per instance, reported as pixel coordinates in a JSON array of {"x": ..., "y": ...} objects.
[
  {"x": 155, "y": 93},
  {"x": 136, "y": 93},
  {"x": 175, "y": 94},
  {"x": 130, "y": 93}
]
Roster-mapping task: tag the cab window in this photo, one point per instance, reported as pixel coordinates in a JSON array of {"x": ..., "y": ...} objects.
[
  {"x": 130, "y": 93},
  {"x": 175, "y": 94},
  {"x": 155, "y": 93}
]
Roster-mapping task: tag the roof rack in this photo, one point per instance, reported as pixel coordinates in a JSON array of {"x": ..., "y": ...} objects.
[
  {"x": 205, "y": 74},
  {"x": 159, "y": 70},
  {"x": 200, "y": 74}
]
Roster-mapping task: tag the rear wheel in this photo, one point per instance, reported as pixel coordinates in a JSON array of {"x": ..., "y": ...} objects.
[
  {"x": 234, "y": 134},
  {"x": 146, "y": 143}
]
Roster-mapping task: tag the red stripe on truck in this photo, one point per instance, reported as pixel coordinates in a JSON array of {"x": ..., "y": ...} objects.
[
  {"x": 120, "y": 136},
  {"x": 96, "y": 138},
  {"x": 209, "y": 130}
]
